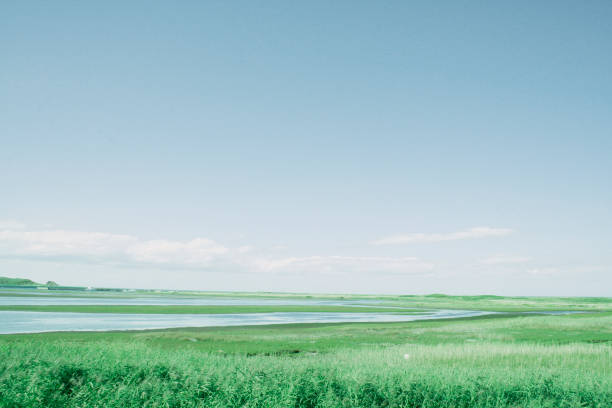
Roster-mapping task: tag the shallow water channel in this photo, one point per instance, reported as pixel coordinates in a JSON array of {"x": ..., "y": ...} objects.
[
  {"x": 33, "y": 322},
  {"x": 12, "y": 322},
  {"x": 171, "y": 300}
]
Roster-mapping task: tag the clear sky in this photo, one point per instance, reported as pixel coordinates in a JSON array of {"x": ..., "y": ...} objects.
[{"x": 394, "y": 147}]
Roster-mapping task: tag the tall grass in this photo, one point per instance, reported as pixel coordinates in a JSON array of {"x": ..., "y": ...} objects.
[{"x": 104, "y": 374}]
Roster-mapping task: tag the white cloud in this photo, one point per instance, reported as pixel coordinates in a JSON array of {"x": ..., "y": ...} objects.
[
  {"x": 576, "y": 271},
  {"x": 345, "y": 264},
  {"x": 101, "y": 247},
  {"x": 198, "y": 253},
  {"x": 62, "y": 242},
  {"x": 11, "y": 225},
  {"x": 244, "y": 249},
  {"x": 543, "y": 271},
  {"x": 502, "y": 260},
  {"x": 472, "y": 233}
]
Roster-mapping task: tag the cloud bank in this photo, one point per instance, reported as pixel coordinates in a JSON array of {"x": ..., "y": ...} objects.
[
  {"x": 11, "y": 225},
  {"x": 98, "y": 247},
  {"x": 472, "y": 233},
  {"x": 504, "y": 260},
  {"x": 198, "y": 253},
  {"x": 347, "y": 264}
]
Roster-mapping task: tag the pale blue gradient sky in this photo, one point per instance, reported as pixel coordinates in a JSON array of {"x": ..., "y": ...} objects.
[{"x": 294, "y": 136}]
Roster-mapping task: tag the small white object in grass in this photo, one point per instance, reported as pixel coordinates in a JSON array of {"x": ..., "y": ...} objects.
[{"x": 406, "y": 356}]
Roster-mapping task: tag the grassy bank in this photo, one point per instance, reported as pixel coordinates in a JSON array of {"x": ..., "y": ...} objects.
[
  {"x": 435, "y": 301},
  {"x": 534, "y": 361},
  {"x": 329, "y": 337}
]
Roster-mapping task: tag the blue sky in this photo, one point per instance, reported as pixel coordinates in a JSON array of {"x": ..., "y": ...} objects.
[{"x": 404, "y": 147}]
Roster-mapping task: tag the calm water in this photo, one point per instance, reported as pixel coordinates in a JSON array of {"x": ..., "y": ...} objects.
[
  {"x": 32, "y": 322},
  {"x": 170, "y": 300}
]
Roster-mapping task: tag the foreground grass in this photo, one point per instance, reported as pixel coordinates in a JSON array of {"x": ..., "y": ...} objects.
[
  {"x": 99, "y": 374},
  {"x": 534, "y": 361}
]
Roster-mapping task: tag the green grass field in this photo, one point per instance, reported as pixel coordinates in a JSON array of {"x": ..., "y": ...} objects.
[
  {"x": 435, "y": 301},
  {"x": 490, "y": 361}
]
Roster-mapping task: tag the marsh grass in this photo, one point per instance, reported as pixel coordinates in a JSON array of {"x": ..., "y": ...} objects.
[
  {"x": 434, "y": 301},
  {"x": 61, "y": 374},
  {"x": 494, "y": 362}
]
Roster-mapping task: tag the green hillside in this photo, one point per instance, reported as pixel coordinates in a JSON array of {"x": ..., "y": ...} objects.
[{"x": 18, "y": 282}]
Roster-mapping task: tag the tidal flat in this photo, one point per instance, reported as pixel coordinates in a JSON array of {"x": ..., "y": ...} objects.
[{"x": 510, "y": 359}]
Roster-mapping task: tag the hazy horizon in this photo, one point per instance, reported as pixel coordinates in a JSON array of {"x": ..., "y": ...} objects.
[{"x": 353, "y": 147}]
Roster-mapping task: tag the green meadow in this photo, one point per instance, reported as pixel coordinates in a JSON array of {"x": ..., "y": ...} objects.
[
  {"x": 434, "y": 301},
  {"x": 501, "y": 360}
]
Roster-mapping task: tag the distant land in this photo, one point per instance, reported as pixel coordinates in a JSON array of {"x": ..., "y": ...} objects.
[{"x": 5, "y": 281}]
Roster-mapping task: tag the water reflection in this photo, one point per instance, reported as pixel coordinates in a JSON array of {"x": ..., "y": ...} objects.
[
  {"x": 169, "y": 300},
  {"x": 32, "y": 322}
]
